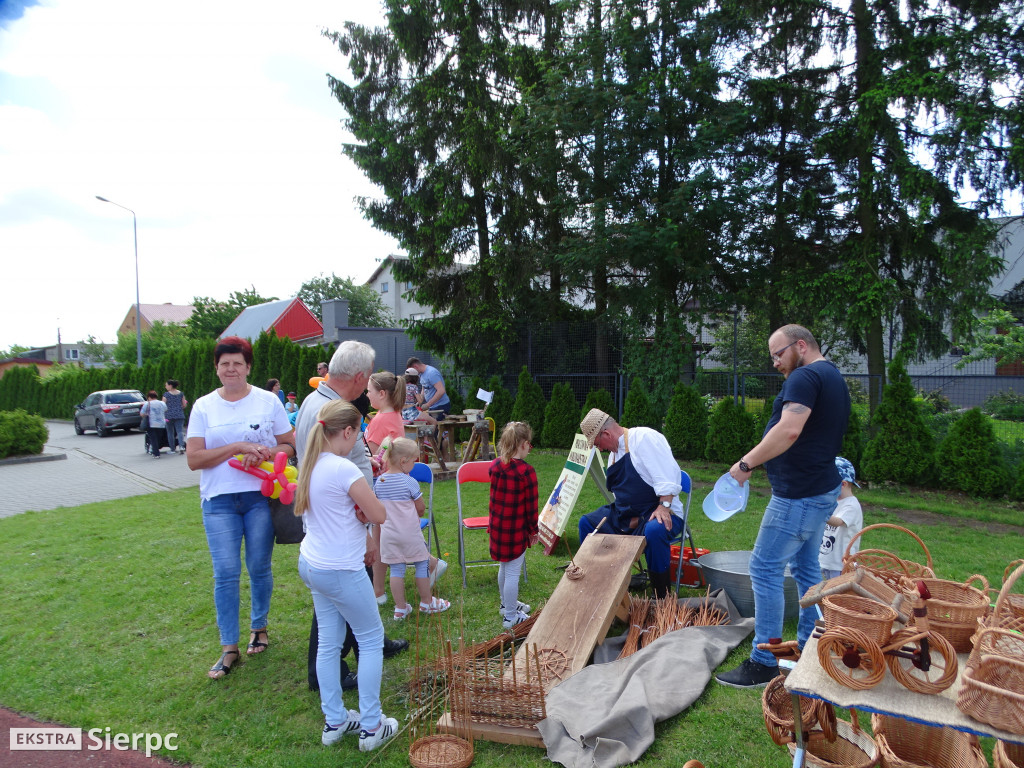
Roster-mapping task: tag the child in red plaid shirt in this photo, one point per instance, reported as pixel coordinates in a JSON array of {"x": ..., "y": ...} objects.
[{"x": 513, "y": 516}]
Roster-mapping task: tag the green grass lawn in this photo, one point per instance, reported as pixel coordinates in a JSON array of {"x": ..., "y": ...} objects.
[{"x": 107, "y": 620}]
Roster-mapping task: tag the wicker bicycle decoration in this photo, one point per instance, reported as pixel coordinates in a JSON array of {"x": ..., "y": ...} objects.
[{"x": 859, "y": 644}]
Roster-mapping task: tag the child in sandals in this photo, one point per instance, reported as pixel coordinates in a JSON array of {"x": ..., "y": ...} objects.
[
  {"x": 512, "y": 523},
  {"x": 401, "y": 541}
]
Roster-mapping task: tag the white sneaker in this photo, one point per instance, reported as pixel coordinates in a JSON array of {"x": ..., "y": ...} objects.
[
  {"x": 520, "y": 606},
  {"x": 519, "y": 618},
  {"x": 439, "y": 570},
  {"x": 385, "y": 731},
  {"x": 333, "y": 734}
]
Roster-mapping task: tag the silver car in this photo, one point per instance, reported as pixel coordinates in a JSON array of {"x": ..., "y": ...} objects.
[{"x": 109, "y": 409}]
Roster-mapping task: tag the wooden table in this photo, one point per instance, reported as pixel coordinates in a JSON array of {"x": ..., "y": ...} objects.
[{"x": 887, "y": 698}]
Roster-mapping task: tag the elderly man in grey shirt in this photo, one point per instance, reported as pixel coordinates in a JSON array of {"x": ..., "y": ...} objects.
[{"x": 349, "y": 369}]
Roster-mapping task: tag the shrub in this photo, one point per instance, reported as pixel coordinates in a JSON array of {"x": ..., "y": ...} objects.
[
  {"x": 730, "y": 432},
  {"x": 21, "y": 434},
  {"x": 457, "y": 399},
  {"x": 853, "y": 440},
  {"x": 1017, "y": 491},
  {"x": 762, "y": 417},
  {"x": 686, "y": 423},
  {"x": 969, "y": 458},
  {"x": 500, "y": 408},
  {"x": 1006, "y": 405},
  {"x": 600, "y": 398},
  {"x": 637, "y": 410},
  {"x": 560, "y": 422},
  {"x": 902, "y": 448},
  {"x": 529, "y": 404}
]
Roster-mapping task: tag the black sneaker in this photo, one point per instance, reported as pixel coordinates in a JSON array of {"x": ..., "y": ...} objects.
[
  {"x": 749, "y": 674},
  {"x": 394, "y": 647}
]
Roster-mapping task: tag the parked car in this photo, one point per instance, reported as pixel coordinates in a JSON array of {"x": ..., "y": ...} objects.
[{"x": 109, "y": 409}]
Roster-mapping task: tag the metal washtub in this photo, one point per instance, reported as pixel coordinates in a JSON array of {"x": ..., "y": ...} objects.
[{"x": 731, "y": 571}]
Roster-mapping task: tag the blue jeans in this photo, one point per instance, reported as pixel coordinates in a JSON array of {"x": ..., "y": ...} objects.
[
  {"x": 340, "y": 598},
  {"x": 790, "y": 534},
  {"x": 228, "y": 519},
  {"x": 175, "y": 433},
  {"x": 658, "y": 550}
]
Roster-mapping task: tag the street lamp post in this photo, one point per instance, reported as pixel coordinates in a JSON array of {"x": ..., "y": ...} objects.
[{"x": 138, "y": 308}]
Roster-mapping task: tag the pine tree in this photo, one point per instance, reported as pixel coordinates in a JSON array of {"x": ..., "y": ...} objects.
[
  {"x": 560, "y": 423},
  {"x": 969, "y": 457},
  {"x": 686, "y": 423},
  {"x": 730, "y": 432},
  {"x": 637, "y": 410},
  {"x": 529, "y": 403},
  {"x": 902, "y": 448}
]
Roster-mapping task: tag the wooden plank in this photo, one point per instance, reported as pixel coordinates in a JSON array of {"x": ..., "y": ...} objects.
[
  {"x": 503, "y": 734},
  {"x": 579, "y": 613}
]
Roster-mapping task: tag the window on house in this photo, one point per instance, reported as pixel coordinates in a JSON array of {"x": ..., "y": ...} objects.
[
  {"x": 383, "y": 287},
  {"x": 70, "y": 354}
]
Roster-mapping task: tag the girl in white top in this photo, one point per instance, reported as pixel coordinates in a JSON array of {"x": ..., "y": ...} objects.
[{"x": 332, "y": 564}]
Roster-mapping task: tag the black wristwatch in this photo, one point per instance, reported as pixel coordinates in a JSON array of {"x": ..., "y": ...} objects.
[{"x": 744, "y": 467}]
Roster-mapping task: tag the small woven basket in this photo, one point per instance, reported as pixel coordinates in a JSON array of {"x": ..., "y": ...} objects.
[
  {"x": 954, "y": 608},
  {"x": 991, "y": 692},
  {"x": 888, "y": 567},
  {"x": 860, "y": 613},
  {"x": 905, "y": 744},
  {"x": 777, "y": 708},
  {"x": 1008, "y": 755},
  {"x": 852, "y": 749},
  {"x": 442, "y": 750},
  {"x": 863, "y": 583}
]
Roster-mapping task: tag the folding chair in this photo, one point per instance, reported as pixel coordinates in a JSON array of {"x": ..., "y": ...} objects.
[
  {"x": 685, "y": 533},
  {"x": 422, "y": 473},
  {"x": 472, "y": 472}
]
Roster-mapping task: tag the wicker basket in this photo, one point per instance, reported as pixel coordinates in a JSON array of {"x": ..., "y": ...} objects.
[
  {"x": 1000, "y": 632},
  {"x": 991, "y": 692},
  {"x": 852, "y": 749},
  {"x": 1007, "y": 755},
  {"x": 954, "y": 609},
  {"x": 441, "y": 750},
  {"x": 777, "y": 708},
  {"x": 905, "y": 744},
  {"x": 1008, "y": 612},
  {"x": 863, "y": 583},
  {"x": 888, "y": 567},
  {"x": 861, "y": 613}
]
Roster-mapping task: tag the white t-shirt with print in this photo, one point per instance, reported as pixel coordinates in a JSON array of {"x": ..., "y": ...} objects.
[
  {"x": 257, "y": 418},
  {"x": 836, "y": 538}
]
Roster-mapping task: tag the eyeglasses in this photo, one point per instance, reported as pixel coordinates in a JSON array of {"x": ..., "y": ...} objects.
[{"x": 776, "y": 356}]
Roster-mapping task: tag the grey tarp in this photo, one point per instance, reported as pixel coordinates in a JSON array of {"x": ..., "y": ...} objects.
[{"x": 604, "y": 715}]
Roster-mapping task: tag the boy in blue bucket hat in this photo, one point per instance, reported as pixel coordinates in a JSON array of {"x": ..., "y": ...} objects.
[{"x": 845, "y": 523}]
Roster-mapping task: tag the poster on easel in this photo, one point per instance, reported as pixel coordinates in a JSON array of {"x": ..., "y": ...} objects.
[{"x": 583, "y": 460}]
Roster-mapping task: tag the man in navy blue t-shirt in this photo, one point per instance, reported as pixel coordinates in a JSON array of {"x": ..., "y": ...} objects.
[{"x": 798, "y": 449}]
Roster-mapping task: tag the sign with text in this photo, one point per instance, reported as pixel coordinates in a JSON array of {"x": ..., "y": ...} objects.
[{"x": 559, "y": 505}]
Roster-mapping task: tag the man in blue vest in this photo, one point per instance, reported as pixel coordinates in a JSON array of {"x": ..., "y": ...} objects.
[{"x": 645, "y": 479}]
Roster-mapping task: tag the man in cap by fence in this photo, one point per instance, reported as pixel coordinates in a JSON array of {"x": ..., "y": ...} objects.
[{"x": 645, "y": 479}]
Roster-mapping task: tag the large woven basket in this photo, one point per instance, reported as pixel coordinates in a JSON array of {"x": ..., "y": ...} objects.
[
  {"x": 887, "y": 566},
  {"x": 777, "y": 708},
  {"x": 1007, "y": 755},
  {"x": 954, "y": 609},
  {"x": 905, "y": 744},
  {"x": 1001, "y": 632},
  {"x": 1008, "y": 611},
  {"x": 853, "y": 748},
  {"x": 861, "y": 613},
  {"x": 991, "y": 692}
]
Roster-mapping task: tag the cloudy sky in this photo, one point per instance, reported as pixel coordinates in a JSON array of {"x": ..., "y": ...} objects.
[{"x": 211, "y": 119}]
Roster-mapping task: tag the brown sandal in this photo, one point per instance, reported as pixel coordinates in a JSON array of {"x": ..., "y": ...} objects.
[
  {"x": 220, "y": 666},
  {"x": 255, "y": 646}
]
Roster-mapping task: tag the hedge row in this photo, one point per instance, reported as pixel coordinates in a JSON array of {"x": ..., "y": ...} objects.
[{"x": 55, "y": 396}]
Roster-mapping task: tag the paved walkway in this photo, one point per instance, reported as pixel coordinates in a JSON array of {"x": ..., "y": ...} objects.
[{"x": 95, "y": 469}]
